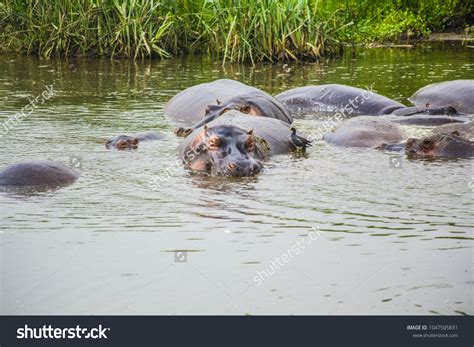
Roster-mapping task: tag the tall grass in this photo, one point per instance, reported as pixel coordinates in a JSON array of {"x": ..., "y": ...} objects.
[{"x": 236, "y": 30}]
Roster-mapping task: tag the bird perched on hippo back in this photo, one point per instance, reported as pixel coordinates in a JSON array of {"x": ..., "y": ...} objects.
[{"x": 299, "y": 142}]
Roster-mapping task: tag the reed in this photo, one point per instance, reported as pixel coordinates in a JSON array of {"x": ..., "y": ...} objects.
[{"x": 236, "y": 30}]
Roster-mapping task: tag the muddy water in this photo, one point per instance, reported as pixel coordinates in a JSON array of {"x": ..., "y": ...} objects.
[{"x": 336, "y": 232}]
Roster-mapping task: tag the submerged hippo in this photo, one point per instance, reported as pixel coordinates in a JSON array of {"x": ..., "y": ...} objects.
[
  {"x": 428, "y": 120},
  {"x": 37, "y": 173},
  {"x": 348, "y": 100},
  {"x": 458, "y": 93},
  {"x": 449, "y": 140},
  {"x": 365, "y": 131},
  {"x": 351, "y": 101},
  {"x": 235, "y": 144},
  {"x": 464, "y": 130},
  {"x": 131, "y": 141},
  {"x": 440, "y": 145},
  {"x": 252, "y": 103},
  {"x": 189, "y": 106}
]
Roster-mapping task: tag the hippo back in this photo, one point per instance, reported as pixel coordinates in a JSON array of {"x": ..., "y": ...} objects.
[
  {"x": 465, "y": 130},
  {"x": 458, "y": 93},
  {"x": 276, "y": 133},
  {"x": 335, "y": 98},
  {"x": 189, "y": 106},
  {"x": 365, "y": 131},
  {"x": 37, "y": 173}
]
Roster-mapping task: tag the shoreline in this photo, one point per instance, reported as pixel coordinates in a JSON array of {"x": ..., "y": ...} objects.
[{"x": 463, "y": 40}]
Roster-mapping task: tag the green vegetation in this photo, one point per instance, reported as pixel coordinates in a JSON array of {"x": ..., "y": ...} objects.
[
  {"x": 236, "y": 30},
  {"x": 394, "y": 20}
]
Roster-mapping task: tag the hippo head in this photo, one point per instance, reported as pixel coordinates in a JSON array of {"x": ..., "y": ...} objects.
[
  {"x": 223, "y": 150},
  {"x": 447, "y": 110},
  {"x": 253, "y": 104},
  {"x": 439, "y": 145},
  {"x": 122, "y": 142}
]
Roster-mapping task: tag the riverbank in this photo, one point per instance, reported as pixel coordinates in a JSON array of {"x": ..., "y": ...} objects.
[{"x": 235, "y": 30}]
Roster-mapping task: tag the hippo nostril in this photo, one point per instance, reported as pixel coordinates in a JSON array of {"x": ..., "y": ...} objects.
[{"x": 232, "y": 166}]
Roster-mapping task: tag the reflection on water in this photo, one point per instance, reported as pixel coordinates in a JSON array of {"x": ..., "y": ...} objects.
[{"x": 393, "y": 240}]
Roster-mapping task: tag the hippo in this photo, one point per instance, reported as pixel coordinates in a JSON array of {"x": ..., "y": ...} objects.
[
  {"x": 334, "y": 98},
  {"x": 440, "y": 145},
  {"x": 235, "y": 144},
  {"x": 189, "y": 106},
  {"x": 37, "y": 173},
  {"x": 365, "y": 131},
  {"x": 427, "y": 120},
  {"x": 427, "y": 109},
  {"x": 351, "y": 101},
  {"x": 457, "y": 93},
  {"x": 449, "y": 140},
  {"x": 122, "y": 142},
  {"x": 464, "y": 130},
  {"x": 252, "y": 103}
]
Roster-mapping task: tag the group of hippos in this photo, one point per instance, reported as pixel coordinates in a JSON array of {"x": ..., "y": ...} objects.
[{"x": 230, "y": 128}]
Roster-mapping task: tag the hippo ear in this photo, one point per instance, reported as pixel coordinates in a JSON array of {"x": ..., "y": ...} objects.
[
  {"x": 250, "y": 132},
  {"x": 218, "y": 102},
  {"x": 206, "y": 130}
]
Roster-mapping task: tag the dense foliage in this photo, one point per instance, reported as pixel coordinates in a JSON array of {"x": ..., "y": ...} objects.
[{"x": 237, "y": 30}]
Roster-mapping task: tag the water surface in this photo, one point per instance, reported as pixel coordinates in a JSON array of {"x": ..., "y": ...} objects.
[{"x": 385, "y": 239}]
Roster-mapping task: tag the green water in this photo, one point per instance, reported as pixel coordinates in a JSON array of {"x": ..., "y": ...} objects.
[{"x": 386, "y": 240}]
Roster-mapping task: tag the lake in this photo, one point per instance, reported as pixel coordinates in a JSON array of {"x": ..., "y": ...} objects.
[{"x": 360, "y": 235}]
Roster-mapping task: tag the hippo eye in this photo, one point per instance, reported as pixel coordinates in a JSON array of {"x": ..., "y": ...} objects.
[
  {"x": 245, "y": 109},
  {"x": 426, "y": 143}
]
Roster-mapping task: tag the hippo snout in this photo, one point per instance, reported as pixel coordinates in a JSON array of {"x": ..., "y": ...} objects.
[{"x": 241, "y": 168}]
